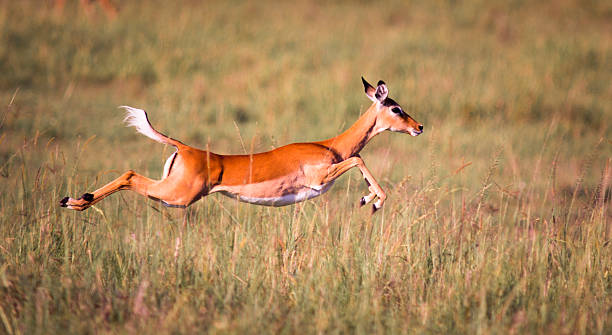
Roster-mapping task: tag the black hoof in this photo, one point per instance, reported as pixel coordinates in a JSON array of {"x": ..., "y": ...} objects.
[
  {"x": 87, "y": 197},
  {"x": 362, "y": 202},
  {"x": 374, "y": 208},
  {"x": 64, "y": 201}
]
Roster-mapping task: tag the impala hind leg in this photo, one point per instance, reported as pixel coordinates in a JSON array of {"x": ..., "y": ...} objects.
[
  {"x": 375, "y": 190},
  {"x": 158, "y": 190}
]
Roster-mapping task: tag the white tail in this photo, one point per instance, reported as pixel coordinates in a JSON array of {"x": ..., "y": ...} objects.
[{"x": 138, "y": 119}]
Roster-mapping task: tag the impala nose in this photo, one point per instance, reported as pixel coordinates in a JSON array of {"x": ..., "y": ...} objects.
[{"x": 420, "y": 127}]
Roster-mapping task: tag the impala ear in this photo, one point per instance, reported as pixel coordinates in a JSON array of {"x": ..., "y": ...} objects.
[
  {"x": 381, "y": 91},
  {"x": 369, "y": 90}
]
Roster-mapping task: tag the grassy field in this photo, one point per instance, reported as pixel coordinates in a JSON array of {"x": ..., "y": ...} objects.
[{"x": 498, "y": 217}]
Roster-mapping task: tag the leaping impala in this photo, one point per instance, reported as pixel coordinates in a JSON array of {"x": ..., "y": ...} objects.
[{"x": 283, "y": 176}]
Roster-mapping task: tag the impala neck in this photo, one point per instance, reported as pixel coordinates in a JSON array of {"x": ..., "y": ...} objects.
[{"x": 350, "y": 142}]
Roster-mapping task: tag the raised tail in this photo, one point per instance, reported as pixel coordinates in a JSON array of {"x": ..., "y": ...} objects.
[{"x": 138, "y": 119}]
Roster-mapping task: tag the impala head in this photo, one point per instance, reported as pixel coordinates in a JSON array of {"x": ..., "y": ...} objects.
[{"x": 390, "y": 115}]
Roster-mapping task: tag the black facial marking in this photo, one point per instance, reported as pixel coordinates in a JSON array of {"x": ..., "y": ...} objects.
[
  {"x": 380, "y": 82},
  {"x": 389, "y": 102},
  {"x": 362, "y": 202},
  {"x": 64, "y": 201},
  {"x": 395, "y": 107},
  {"x": 87, "y": 197}
]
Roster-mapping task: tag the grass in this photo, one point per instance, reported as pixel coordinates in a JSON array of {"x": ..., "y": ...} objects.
[{"x": 497, "y": 218}]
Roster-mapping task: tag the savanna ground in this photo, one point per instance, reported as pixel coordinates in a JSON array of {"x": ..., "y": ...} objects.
[{"x": 497, "y": 218}]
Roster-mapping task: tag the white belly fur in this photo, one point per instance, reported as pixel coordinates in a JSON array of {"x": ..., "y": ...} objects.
[{"x": 287, "y": 199}]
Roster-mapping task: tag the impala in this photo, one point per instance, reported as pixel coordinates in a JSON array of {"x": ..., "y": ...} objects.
[{"x": 283, "y": 176}]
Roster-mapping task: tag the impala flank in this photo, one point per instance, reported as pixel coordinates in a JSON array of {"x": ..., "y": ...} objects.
[{"x": 283, "y": 176}]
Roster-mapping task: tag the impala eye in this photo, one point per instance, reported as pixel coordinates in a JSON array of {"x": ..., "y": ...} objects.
[{"x": 396, "y": 110}]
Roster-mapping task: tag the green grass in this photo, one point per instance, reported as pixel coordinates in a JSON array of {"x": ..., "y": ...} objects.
[{"x": 497, "y": 218}]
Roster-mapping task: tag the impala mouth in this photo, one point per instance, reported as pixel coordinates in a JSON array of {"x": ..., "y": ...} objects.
[{"x": 414, "y": 132}]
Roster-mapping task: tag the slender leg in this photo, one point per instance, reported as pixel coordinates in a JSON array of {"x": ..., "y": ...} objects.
[
  {"x": 130, "y": 180},
  {"x": 367, "y": 198},
  {"x": 375, "y": 190}
]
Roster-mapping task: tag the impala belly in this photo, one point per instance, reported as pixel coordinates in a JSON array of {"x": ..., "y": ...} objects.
[{"x": 262, "y": 193}]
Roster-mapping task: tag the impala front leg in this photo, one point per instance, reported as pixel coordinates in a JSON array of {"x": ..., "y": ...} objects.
[
  {"x": 367, "y": 198},
  {"x": 375, "y": 190}
]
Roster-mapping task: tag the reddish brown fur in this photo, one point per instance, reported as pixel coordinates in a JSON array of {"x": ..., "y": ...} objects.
[{"x": 291, "y": 173}]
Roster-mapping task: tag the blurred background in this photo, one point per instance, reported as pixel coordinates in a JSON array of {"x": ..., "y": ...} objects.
[
  {"x": 477, "y": 74},
  {"x": 516, "y": 102}
]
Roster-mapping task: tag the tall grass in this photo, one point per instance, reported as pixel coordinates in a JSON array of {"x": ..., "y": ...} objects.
[{"x": 497, "y": 218}]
